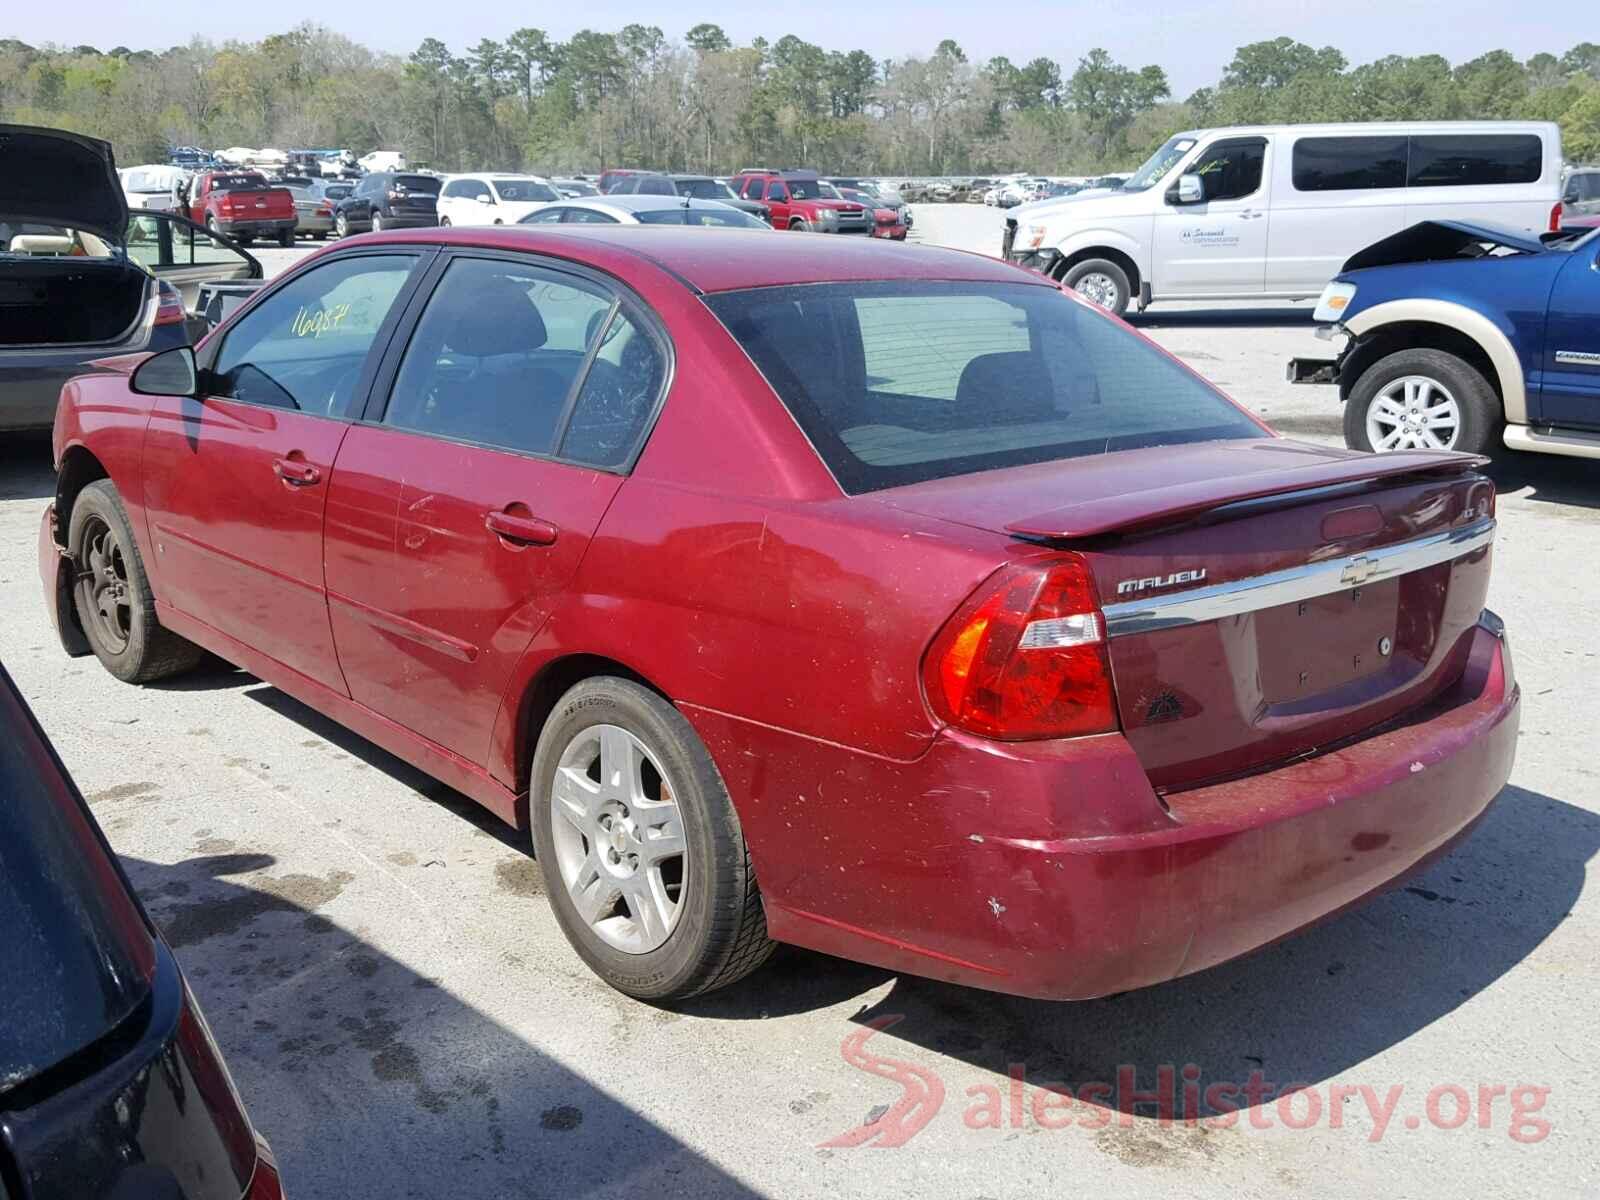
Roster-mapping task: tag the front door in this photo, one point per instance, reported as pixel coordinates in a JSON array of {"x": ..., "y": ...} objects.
[
  {"x": 459, "y": 515},
  {"x": 777, "y": 202},
  {"x": 1217, "y": 247},
  {"x": 1569, "y": 392},
  {"x": 236, "y": 481}
]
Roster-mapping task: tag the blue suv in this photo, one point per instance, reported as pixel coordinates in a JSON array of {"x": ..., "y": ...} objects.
[{"x": 1463, "y": 337}]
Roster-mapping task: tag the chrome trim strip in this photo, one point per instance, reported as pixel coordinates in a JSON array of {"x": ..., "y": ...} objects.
[
  {"x": 1577, "y": 358},
  {"x": 1294, "y": 584}
]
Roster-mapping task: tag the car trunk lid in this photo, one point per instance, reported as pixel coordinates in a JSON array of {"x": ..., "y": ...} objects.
[
  {"x": 52, "y": 177},
  {"x": 1264, "y": 600}
]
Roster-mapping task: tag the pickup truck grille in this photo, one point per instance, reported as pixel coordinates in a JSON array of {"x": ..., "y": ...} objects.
[{"x": 855, "y": 222}]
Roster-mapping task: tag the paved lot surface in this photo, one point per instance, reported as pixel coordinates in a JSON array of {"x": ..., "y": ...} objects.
[{"x": 405, "y": 1019}]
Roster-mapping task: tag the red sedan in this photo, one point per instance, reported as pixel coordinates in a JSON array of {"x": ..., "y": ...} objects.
[{"x": 895, "y": 604}]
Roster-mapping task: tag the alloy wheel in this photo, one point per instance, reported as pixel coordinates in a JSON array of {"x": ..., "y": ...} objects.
[
  {"x": 103, "y": 583},
  {"x": 619, "y": 839},
  {"x": 1098, "y": 287},
  {"x": 1413, "y": 412}
]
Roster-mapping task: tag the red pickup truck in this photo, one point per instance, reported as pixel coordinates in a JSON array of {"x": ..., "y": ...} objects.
[{"x": 242, "y": 205}]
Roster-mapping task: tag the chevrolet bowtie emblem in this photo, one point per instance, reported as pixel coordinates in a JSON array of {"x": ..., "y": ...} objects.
[{"x": 1358, "y": 570}]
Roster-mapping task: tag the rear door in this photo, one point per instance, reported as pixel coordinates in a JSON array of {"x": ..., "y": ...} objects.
[
  {"x": 1219, "y": 246},
  {"x": 184, "y": 254},
  {"x": 1570, "y": 380},
  {"x": 461, "y": 508},
  {"x": 236, "y": 481}
]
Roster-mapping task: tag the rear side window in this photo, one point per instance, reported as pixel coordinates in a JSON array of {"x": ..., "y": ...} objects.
[
  {"x": 496, "y": 353},
  {"x": 304, "y": 346},
  {"x": 897, "y": 383},
  {"x": 618, "y": 395},
  {"x": 1471, "y": 159},
  {"x": 1344, "y": 164}
]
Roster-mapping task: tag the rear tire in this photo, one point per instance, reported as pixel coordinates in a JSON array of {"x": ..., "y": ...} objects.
[
  {"x": 444, "y": 222},
  {"x": 377, "y": 221},
  {"x": 597, "y": 838},
  {"x": 1408, "y": 385},
  {"x": 286, "y": 238},
  {"x": 341, "y": 225},
  {"x": 1102, "y": 281},
  {"x": 112, "y": 595}
]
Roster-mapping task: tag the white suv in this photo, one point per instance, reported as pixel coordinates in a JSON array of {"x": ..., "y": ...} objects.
[
  {"x": 493, "y": 199},
  {"x": 1273, "y": 211}
]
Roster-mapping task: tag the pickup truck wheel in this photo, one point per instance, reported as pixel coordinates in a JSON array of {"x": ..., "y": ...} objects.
[
  {"x": 1102, "y": 281},
  {"x": 112, "y": 595},
  {"x": 1422, "y": 400},
  {"x": 643, "y": 858},
  {"x": 444, "y": 222}
]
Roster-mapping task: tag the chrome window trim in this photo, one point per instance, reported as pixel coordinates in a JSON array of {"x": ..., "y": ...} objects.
[{"x": 1290, "y": 586}]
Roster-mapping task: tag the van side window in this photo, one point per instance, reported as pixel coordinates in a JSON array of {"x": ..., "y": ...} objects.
[
  {"x": 1346, "y": 164},
  {"x": 1231, "y": 170},
  {"x": 1469, "y": 159}
]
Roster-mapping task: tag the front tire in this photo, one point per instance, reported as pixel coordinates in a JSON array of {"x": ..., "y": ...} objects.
[
  {"x": 1422, "y": 399},
  {"x": 444, "y": 222},
  {"x": 643, "y": 857},
  {"x": 112, "y": 596},
  {"x": 800, "y": 226},
  {"x": 1101, "y": 281}
]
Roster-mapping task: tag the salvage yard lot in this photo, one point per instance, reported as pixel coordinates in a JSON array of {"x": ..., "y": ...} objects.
[{"x": 404, "y": 1017}]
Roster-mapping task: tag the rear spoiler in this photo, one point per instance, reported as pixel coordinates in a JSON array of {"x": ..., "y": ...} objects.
[{"x": 1168, "y": 505}]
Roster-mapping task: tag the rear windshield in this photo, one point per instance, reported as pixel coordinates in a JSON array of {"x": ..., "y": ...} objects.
[
  {"x": 523, "y": 190},
  {"x": 237, "y": 183},
  {"x": 704, "y": 189},
  {"x": 901, "y": 382},
  {"x": 416, "y": 183}
]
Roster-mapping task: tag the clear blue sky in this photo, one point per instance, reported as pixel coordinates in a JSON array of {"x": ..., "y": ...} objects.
[{"x": 1192, "y": 39}]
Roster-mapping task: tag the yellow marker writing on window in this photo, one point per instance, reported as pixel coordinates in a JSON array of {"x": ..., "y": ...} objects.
[{"x": 319, "y": 321}]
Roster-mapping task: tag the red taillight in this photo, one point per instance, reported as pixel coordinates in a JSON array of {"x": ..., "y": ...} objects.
[
  {"x": 1555, "y": 218},
  {"x": 1025, "y": 657},
  {"x": 325, "y": 209},
  {"x": 169, "y": 305}
]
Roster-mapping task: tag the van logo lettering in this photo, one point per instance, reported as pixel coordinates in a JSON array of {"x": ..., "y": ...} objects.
[{"x": 1193, "y": 575}]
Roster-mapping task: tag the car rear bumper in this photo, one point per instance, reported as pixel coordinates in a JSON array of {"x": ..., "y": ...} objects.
[
  {"x": 256, "y": 228},
  {"x": 1053, "y": 870},
  {"x": 405, "y": 220}
]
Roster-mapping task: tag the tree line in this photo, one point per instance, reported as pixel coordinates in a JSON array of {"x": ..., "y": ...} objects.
[{"x": 637, "y": 97}]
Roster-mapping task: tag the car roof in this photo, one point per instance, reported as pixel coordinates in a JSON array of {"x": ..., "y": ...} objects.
[{"x": 723, "y": 260}]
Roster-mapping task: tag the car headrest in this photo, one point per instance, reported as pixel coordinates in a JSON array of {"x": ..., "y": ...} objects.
[
  {"x": 503, "y": 319},
  {"x": 1005, "y": 388}
]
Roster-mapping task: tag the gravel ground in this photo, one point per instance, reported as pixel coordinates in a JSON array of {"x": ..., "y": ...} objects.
[{"x": 405, "y": 1019}]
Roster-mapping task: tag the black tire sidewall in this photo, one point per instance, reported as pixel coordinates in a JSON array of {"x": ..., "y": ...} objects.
[
  {"x": 1106, "y": 267},
  {"x": 714, "y": 846},
  {"x": 1481, "y": 412},
  {"x": 100, "y": 500}
]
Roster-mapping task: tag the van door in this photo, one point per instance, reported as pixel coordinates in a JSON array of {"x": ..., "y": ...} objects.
[
  {"x": 1332, "y": 197},
  {"x": 1217, "y": 247}
]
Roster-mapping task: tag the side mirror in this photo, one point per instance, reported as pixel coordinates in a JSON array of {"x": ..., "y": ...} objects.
[
  {"x": 1191, "y": 190},
  {"x": 485, "y": 200},
  {"x": 170, "y": 373}
]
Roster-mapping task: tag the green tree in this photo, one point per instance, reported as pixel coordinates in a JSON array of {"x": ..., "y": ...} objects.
[
  {"x": 1274, "y": 63},
  {"x": 707, "y": 38}
]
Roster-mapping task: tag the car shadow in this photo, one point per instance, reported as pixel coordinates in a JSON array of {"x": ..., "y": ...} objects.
[
  {"x": 370, "y": 1079},
  {"x": 26, "y": 469},
  {"x": 1547, "y": 478},
  {"x": 1222, "y": 318},
  {"x": 1303, "y": 1010}
]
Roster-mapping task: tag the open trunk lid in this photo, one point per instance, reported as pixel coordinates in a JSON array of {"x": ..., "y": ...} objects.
[
  {"x": 52, "y": 177},
  {"x": 1264, "y": 600}
]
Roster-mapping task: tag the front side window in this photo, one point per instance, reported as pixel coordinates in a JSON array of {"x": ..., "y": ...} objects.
[
  {"x": 496, "y": 353},
  {"x": 775, "y": 191},
  {"x": 303, "y": 347},
  {"x": 1230, "y": 170},
  {"x": 589, "y": 216},
  {"x": 1342, "y": 164},
  {"x": 897, "y": 383},
  {"x": 1472, "y": 159}
]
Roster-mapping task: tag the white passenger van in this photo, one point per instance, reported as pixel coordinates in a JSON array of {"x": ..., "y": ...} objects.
[{"x": 1273, "y": 211}]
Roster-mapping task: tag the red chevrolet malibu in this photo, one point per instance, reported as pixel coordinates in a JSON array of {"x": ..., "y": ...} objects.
[{"x": 894, "y": 604}]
